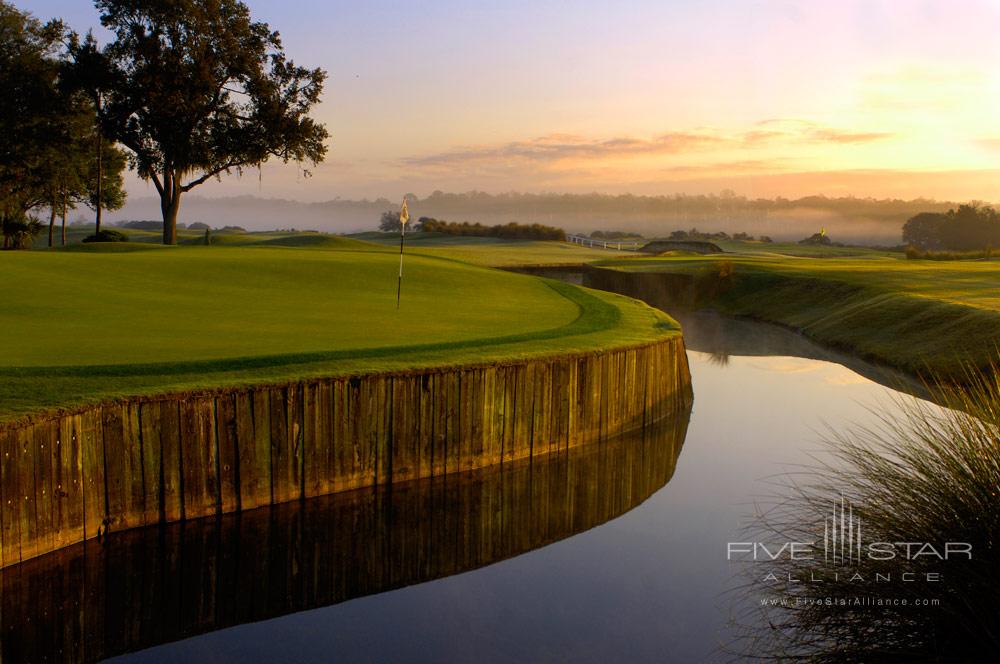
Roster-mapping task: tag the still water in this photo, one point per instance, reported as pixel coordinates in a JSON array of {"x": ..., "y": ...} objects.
[{"x": 617, "y": 555}]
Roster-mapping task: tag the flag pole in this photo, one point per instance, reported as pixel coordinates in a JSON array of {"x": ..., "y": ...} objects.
[
  {"x": 404, "y": 216},
  {"x": 399, "y": 283}
]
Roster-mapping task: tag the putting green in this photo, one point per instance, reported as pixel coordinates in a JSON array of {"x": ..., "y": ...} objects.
[{"x": 123, "y": 321}]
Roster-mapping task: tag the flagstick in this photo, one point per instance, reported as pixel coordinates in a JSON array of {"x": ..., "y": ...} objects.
[{"x": 399, "y": 284}]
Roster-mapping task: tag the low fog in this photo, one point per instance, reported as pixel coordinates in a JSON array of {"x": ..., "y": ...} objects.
[{"x": 847, "y": 220}]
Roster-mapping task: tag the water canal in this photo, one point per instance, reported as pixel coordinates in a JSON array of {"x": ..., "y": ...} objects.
[{"x": 614, "y": 552}]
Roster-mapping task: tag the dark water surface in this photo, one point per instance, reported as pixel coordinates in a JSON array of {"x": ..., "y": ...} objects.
[{"x": 613, "y": 555}]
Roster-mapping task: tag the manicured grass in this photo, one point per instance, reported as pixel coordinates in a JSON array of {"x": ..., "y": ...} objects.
[
  {"x": 916, "y": 315},
  {"x": 128, "y": 319},
  {"x": 796, "y": 249},
  {"x": 494, "y": 251}
]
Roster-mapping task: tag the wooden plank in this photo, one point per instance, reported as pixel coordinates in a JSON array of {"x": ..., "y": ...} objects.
[
  {"x": 295, "y": 429},
  {"x": 340, "y": 435},
  {"x": 150, "y": 424},
  {"x": 94, "y": 489},
  {"x": 425, "y": 413},
  {"x": 356, "y": 452},
  {"x": 283, "y": 487},
  {"x": 68, "y": 479},
  {"x": 10, "y": 493},
  {"x": 227, "y": 434},
  {"x": 171, "y": 477},
  {"x": 116, "y": 478},
  {"x": 477, "y": 412},
  {"x": 199, "y": 456},
  {"x": 377, "y": 414},
  {"x": 135, "y": 490},
  {"x": 313, "y": 461},
  {"x": 325, "y": 424},
  {"x": 453, "y": 434},
  {"x": 509, "y": 379},
  {"x": 406, "y": 436},
  {"x": 492, "y": 415},
  {"x": 439, "y": 424},
  {"x": 43, "y": 441},
  {"x": 254, "y": 416}
]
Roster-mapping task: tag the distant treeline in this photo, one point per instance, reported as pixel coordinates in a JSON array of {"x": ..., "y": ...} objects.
[
  {"x": 614, "y": 235},
  {"x": 695, "y": 234},
  {"x": 724, "y": 205},
  {"x": 511, "y": 231},
  {"x": 149, "y": 225},
  {"x": 969, "y": 228}
]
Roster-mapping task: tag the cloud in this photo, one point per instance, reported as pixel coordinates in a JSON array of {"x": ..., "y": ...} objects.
[
  {"x": 560, "y": 148},
  {"x": 796, "y": 129},
  {"x": 728, "y": 167},
  {"x": 992, "y": 144},
  {"x": 840, "y": 136}
]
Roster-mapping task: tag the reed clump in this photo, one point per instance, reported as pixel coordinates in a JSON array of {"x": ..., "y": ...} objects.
[{"x": 924, "y": 474}]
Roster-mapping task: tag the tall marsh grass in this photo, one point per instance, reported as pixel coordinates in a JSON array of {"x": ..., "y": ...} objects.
[{"x": 922, "y": 473}]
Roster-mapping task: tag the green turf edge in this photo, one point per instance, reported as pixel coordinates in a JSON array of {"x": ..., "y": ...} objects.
[
  {"x": 918, "y": 333},
  {"x": 606, "y": 322}
]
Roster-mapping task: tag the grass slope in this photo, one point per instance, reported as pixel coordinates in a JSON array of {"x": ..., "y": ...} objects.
[
  {"x": 117, "y": 320},
  {"x": 915, "y": 315}
]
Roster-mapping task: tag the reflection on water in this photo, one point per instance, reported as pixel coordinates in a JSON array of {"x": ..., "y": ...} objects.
[
  {"x": 151, "y": 586},
  {"x": 648, "y": 585},
  {"x": 722, "y": 337}
]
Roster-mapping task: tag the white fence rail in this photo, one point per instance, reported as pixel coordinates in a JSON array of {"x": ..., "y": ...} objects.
[{"x": 613, "y": 245}]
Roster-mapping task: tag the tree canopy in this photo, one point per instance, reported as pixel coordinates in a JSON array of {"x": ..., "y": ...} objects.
[
  {"x": 969, "y": 227},
  {"x": 31, "y": 111},
  {"x": 51, "y": 148},
  {"x": 195, "y": 89}
]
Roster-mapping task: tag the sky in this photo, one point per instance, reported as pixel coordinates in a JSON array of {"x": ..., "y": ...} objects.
[{"x": 882, "y": 98}]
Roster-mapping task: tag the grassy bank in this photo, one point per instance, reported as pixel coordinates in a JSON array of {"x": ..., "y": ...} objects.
[
  {"x": 913, "y": 315},
  {"x": 95, "y": 322}
]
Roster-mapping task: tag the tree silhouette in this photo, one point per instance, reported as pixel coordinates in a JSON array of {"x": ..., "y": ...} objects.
[
  {"x": 31, "y": 108},
  {"x": 195, "y": 89}
]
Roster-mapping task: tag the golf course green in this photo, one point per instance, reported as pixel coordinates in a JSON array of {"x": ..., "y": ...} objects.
[
  {"x": 935, "y": 318},
  {"x": 88, "y": 323}
]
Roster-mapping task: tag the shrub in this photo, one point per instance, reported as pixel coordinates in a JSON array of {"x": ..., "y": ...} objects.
[
  {"x": 107, "y": 235},
  {"x": 817, "y": 239},
  {"x": 511, "y": 231},
  {"x": 19, "y": 231}
]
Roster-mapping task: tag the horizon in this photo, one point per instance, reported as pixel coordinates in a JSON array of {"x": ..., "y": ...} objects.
[{"x": 886, "y": 100}]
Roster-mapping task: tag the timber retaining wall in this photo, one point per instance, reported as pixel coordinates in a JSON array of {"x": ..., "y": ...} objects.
[
  {"x": 148, "y": 586},
  {"x": 75, "y": 476}
]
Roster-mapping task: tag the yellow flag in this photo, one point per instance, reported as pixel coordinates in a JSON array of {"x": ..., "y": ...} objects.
[{"x": 404, "y": 214}]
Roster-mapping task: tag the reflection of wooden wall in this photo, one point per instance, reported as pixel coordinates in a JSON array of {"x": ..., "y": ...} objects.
[
  {"x": 155, "y": 585},
  {"x": 118, "y": 466}
]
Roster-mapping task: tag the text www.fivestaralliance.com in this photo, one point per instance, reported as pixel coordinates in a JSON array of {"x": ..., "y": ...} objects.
[{"x": 848, "y": 601}]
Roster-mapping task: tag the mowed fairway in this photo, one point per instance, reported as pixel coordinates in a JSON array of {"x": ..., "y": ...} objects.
[{"x": 128, "y": 320}]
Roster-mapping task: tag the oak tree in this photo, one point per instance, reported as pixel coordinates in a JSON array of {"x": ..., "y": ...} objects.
[{"x": 195, "y": 89}]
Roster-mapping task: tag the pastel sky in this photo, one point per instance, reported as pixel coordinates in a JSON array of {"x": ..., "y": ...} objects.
[{"x": 767, "y": 97}]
